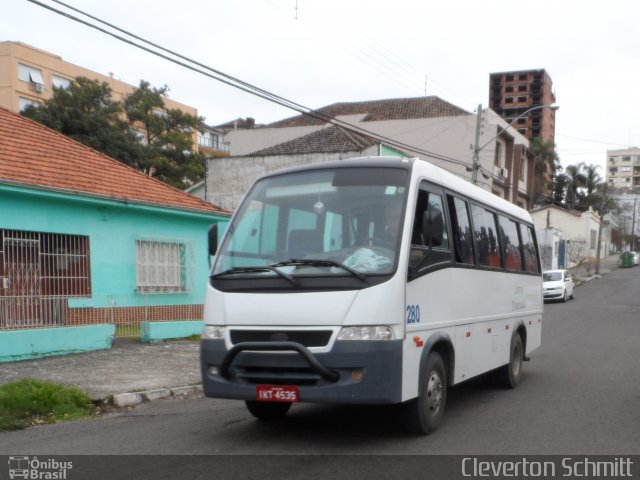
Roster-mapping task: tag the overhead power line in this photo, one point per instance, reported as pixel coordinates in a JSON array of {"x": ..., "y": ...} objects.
[
  {"x": 595, "y": 141},
  {"x": 220, "y": 76}
]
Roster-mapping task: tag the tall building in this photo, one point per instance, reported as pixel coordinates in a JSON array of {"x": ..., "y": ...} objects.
[
  {"x": 623, "y": 168},
  {"x": 623, "y": 178},
  {"x": 513, "y": 93},
  {"x": 28, "y": 75}
]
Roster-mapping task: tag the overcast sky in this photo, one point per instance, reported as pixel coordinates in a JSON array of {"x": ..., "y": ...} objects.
[{"x": 327, "y": 51}]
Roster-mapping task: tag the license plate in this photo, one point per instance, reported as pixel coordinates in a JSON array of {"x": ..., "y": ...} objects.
[{"x": 277, "y": 393}]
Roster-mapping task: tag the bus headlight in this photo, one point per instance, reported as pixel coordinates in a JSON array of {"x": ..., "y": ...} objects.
[
  {"x": 374, "y": 332},
  {"x": 214, "y": 332}
]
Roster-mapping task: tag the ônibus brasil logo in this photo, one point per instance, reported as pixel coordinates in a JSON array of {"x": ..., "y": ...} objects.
[{"x": 34, "y": 469}]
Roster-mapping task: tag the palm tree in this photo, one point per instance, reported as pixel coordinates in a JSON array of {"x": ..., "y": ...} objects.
[
  {"x": 575, "y": 181},
  {"x": 592, "y": 178},
  {"x": 559, "y": 187},
  {"x": 546, "y": 164}
]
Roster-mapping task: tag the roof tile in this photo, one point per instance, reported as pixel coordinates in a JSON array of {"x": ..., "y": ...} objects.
[
  {"x": 377, "y": 110},
  {"x": 34, "y": 155},
  {"x": 328, "y": 140}
]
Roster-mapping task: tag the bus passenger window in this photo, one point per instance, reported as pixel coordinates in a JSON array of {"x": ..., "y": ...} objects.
[
  {"x": 430, "y": 238},
  {"x": 510, "y": 243},
  {"x": 484, "y": 225},
  {"x": 529, "y": 248},
  {"x": 462, "y": 236}
]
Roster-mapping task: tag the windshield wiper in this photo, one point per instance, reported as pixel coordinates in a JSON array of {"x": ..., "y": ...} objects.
[
  {"x": 265, "y": 268},
  {"x": 320, "y": 263}
]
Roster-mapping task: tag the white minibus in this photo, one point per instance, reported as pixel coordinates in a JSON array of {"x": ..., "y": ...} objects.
[{"x": 378, "y": 280}]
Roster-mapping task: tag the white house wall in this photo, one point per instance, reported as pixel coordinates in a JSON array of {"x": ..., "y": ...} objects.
[
  {"x": 549, "y": 244},
  {"x": 574, "y": 226}
]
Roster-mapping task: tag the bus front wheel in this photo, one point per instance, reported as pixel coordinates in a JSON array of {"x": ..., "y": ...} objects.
[
  {"x": 425, "y": 413},
  {"x": 268, "y": 411}
]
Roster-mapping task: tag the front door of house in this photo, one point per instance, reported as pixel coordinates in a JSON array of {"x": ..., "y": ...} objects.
[{"x": 21, "y": 279}]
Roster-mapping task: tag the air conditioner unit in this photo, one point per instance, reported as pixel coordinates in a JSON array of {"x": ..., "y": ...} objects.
[
  {"x": 503, "y": 173},
  {"x": 38, "y": 87}
]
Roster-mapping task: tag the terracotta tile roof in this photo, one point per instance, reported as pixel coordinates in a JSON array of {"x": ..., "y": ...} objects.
[
  {"x": 376, "y": 110},
  {"x": 34, "y": 155},
  {"x": 328, "y": 140}
]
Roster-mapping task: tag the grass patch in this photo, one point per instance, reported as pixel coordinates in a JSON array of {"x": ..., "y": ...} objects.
[{"x": 31, "y": 402}]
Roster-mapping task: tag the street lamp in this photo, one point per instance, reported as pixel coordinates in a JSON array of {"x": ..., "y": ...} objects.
[{"x": 476, "y": 149}]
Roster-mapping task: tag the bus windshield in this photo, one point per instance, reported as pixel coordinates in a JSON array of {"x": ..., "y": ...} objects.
[{"x": 341, "y": 221}]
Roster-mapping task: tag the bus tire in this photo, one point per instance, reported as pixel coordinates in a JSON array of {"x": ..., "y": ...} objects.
[
  {"x": 509, "y": 376},
  {"x": 267, "y": 411},
  {"x": 424, "y": 414}
]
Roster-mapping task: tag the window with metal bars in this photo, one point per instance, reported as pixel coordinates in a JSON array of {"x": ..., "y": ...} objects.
[
  {"x": 163, "y": 265},
  {"x": 44, "y": 264}
]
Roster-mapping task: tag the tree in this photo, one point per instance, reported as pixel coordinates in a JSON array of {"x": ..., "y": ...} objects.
[
  {"x": 591, "y": 178},
  {"x": 559, "y": 187},
  {"x": 86, "y": 113},
  {"x": 601, "y": 201},
  {"x": 546, "y": 164},
  {"x": 575, "y": 181},
  {"x": 140, "y": 132},
  {"x": 168, "y": 135}
]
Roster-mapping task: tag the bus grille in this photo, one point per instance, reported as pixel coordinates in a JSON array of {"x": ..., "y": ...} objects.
[{"x": 316, "y": 338}]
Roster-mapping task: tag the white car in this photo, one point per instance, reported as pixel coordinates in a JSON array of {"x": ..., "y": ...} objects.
[
  {"x": 557, "y": 285},
  {"x": 636, "y": 258}
]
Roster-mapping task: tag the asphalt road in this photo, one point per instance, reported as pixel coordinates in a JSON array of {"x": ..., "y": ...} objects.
[{"x": 580, "y": 395}]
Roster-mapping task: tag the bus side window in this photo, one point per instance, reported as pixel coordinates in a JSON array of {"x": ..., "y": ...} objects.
[
  {"x": 429, "y": 238},
  {"x": 462, "y": 236},
  {"x": 510, "y": 244},
  {"x": 484, "y": 225},
  {"x": 529, "y": 247}
]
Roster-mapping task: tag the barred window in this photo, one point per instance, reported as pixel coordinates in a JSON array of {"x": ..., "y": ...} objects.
[
  {"x": 163, "y": 265},
  {"x": 49, "y": 264}
]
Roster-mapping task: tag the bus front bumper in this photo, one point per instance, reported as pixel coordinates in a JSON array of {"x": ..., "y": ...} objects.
[{"x": 368, "y": 372}]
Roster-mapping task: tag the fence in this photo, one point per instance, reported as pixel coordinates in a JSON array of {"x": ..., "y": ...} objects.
[{"x": 127, "y": 312}]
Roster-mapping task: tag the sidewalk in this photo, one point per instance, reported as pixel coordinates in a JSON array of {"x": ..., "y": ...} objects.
[
  {"x": 157, "y": 370},
  {"x": 607, "y": 264}
]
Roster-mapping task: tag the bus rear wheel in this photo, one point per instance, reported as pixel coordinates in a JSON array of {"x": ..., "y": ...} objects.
[
  {"x": 509, "y": 376},
  {"x": 424, "y": 414},
  {"x": 268, "y": 411}
]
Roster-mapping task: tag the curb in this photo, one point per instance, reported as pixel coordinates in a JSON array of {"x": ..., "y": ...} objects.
[{"x": 121, "y": 400}]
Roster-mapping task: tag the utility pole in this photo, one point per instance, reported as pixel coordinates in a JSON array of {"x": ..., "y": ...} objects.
[
  {"x": 633, "y": 226},
  {"x": 476, "y": 147},
  {"x": 602, "y": 213},
  {"x": 475, "y": 166}
]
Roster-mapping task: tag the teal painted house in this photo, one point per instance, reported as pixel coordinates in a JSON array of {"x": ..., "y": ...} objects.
[{"x": 88, "y": 244}]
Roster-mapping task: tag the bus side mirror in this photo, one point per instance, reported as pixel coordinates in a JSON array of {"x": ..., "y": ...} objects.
[
  {"x": 213, "y": 239},
  {"x": 432, "y": 227}
]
